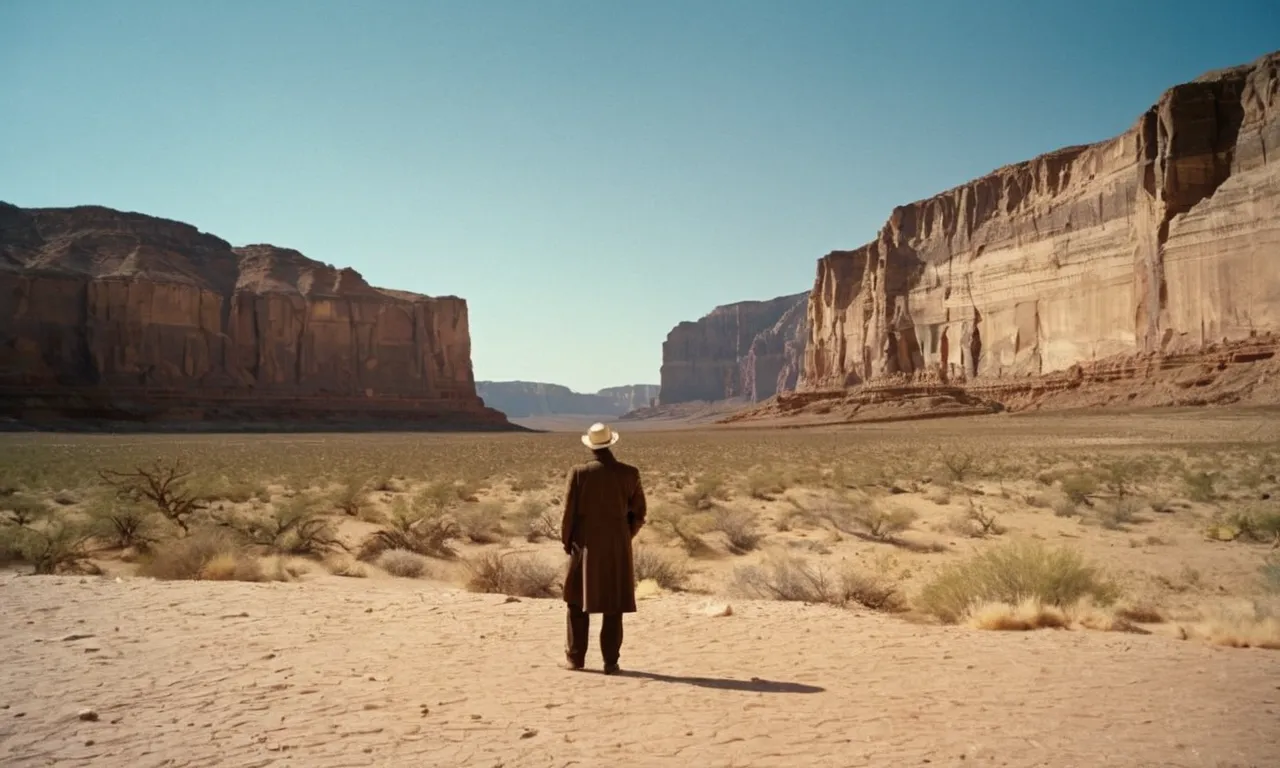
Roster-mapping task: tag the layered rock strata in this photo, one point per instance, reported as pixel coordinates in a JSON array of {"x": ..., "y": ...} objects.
[
  {"x": 120, "y": 316},
  {"x": 522, "y": 399},
  {"x": 746, "y": 350},
  {"x": 1160, "y": 242}
]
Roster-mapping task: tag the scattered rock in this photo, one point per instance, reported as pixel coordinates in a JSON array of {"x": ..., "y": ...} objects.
[
  {"x": 511, "y": 599},
  {"x": 74, "y": 637},
  {"x": 529, "y": 733},
  {"x": 88, "y": 715}
]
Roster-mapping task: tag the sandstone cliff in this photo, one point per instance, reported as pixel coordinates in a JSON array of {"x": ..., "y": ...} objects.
[
  {"x": 1160, "y": 242},
  {"x": 745, "y": 350},
  {"x": 121, "y": 316},
  {"x": 522, "y": 399}
]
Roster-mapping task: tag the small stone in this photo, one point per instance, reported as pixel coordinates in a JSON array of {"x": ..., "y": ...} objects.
[
  {"x": 88, "y": 715},
  {"x": 89, "y": 743},
  {"x": 529, "y": 733},
  {"x": 511, "y": 599},
  {"x": 74, "y": 637},
  {"x": 368, "y": 610}
]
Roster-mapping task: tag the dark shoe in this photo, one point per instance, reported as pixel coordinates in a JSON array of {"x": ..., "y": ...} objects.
[{"x": 612, "y": 669}]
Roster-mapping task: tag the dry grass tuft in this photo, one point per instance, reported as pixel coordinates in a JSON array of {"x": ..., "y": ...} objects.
[
  {"x": 794, "y": 578},
  {"x": 403, "y": 563},
  {"x": 513, "y": 573},
  {"x": 481, "y": 523},
  {"x": 668, "y": 572},
  {"x": 1026, "y": 615},
  {"x": 345, "y": 565},
  {"x": 1256, "y": 628},
  {"x": 1012, "y": 574},
  {"x": 206, "y": 554}
]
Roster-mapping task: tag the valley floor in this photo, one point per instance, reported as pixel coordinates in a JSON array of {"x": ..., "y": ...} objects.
[{"x": 341, "y": 672}]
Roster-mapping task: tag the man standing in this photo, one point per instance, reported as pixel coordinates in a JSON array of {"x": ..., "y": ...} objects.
[{"x": 604, "y": 508}]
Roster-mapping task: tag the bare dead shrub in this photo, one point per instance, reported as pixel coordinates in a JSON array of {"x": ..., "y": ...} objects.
[
  {"x": 163, "y": 484},
  {"x": 292, "y": 527},
  {"x": 122, "y": 523},
  {"x": 412, "y": 528},
  {"x": 686, "y": 528},
  {"x": 403, "y": 563},
  {"x": 1078, "y": 487},
  {"x": 739, "y": 529},
  {"x": 517, "y": 574},
  {"x": 793, "y": 578},
  {"x": 958, "y": 464},
  {"x": 51, "y": 545},
  {"x": 667, "y": 571}
]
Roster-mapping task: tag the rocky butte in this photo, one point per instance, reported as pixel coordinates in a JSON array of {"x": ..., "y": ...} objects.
[
  {"x": 122, "y": 317},
  {"x": 749, "y": 350},
  {"x": 1151, "y": 258}
]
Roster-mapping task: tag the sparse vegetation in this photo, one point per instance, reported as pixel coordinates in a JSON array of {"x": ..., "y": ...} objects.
[
  {"x": 403, "y": 563},
  {"x": 1013, "y": 573},
  {"x": 667, "y": 571},
  {"x": 793, "y": 578},
  {"x": 518, "y": 574}
]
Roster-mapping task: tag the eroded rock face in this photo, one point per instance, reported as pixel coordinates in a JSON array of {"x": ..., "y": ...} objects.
[
  {"x": 1161, "y": 241},
  {"x": 520, "y": 399},
  {"x": 124, "y": 316},
  {"x": 735, "y": 351}
]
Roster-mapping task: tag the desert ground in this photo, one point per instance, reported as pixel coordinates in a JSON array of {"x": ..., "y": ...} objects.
[{"x": 1068, "y": 589}]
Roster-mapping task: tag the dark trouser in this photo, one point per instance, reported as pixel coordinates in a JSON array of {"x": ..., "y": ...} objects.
[{"x": 579, "y": 627}]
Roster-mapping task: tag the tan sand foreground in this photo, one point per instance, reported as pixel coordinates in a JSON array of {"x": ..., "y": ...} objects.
[{"x": 334, "y": 672}]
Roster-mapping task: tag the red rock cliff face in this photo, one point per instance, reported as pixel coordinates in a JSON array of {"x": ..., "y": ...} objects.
[
  {"x": 1162, "y": 240},
  {"x": 735, "y": 351},
  {"x": 124, "y": 316}
]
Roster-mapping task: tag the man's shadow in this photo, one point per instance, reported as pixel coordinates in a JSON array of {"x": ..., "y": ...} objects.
[{"x": 754, "y": 685}]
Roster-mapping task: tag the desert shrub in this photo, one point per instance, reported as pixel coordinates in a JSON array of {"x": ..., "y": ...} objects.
[
  {"x": 403, "y": 563},
  {"x": 739, "y": 529},
  {"x": 412, "y": 528},
  {"x": 793, "y": 578},
  {"x": 65, "y": 499},
  {"x": 1200, "y": 486},
  {"x": 686, "y": 528},
  {"x": 293, "y": 527},
  {"x": 1262, "y": 525},
  {"x": 879, "y": 523},
  {"x": 513, "y": 573},
  {"x": 1120, "y": 477},
  {"x": 345, "y": 565},
  {"x": 528, "y": 481},
  {"x": 352, "y": 496},
  {"x": 763, "y": 482},
  {"x": 979, "y": 522},
  {"x": 17, "y": 509},
  {"x": 1271, "y": 573},
  {"x": 122, "y": 523},
  {"x": 1122, "y": 512},
  {"x": 437, "y": 497},
  {"x": 1010, "y": 574},
  {"x": 667, "y": 571},
  {"x": 164, "y": 485},
  {"x": 1063, "y": 506},
  {"x": 205, "y": 554},
  {"x": 49, "y": 544},
  {"x": 705, "y": 491},
  {"x": 480, "y": 523},
  {"x": 1078, "y": 487},
  {"x": 958, "y": 464},
  {"x": 536, "y": 520}
]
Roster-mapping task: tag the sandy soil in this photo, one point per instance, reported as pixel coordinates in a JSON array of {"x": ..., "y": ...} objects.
[{"x": 334, "y": 672}]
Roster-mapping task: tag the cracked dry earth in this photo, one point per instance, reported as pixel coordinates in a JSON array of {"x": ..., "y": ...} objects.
[{"x": 340, "y": 672}]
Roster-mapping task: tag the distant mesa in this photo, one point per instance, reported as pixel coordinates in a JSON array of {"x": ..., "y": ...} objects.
[
  {"x": 114, "y": 318},
  {"x": 1143, "y": 270},
  {"x": 746, "y": 351},
  {"x": 525, "y": 399}
]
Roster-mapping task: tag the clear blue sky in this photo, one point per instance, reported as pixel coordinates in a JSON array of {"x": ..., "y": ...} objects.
[{"x": 586, "y": 174}]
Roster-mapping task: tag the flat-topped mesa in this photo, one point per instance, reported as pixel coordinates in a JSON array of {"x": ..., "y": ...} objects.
[
  {"x": 521, "y": 399},
  {"x": 735, "y": 351},
  {"x": 122, "y": 316},
  {"x": 1160, "y": 241}
]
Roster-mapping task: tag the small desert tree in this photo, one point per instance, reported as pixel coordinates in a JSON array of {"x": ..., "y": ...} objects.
[{"x": 163, "y": 484}]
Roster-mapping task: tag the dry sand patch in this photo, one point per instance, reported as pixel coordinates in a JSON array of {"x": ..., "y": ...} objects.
[{"x": 336, "y": 672}]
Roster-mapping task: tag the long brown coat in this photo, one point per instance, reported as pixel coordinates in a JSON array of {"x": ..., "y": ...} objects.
[{"x": 604, "y": 508}]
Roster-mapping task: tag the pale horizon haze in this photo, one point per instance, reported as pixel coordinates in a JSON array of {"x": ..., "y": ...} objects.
[{"x": 585, "y": 174}]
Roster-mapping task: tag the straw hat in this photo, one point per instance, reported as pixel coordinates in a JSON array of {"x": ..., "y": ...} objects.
[{"x": 599, "y": 436}]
